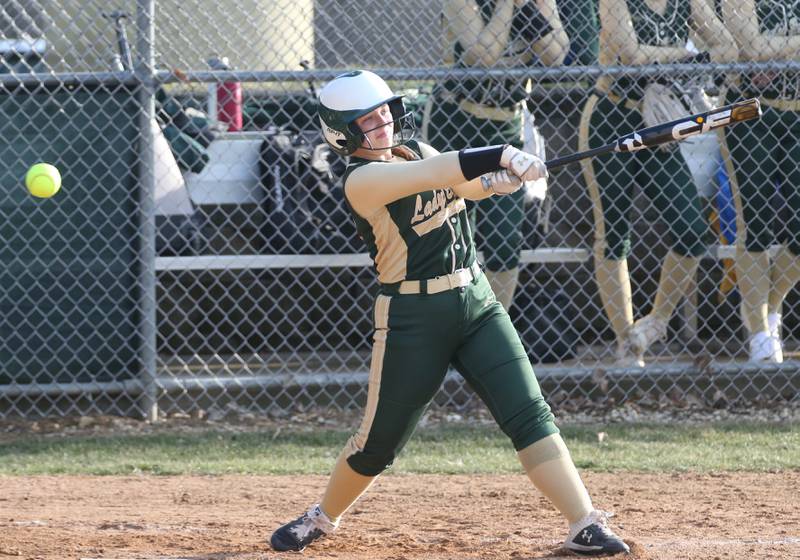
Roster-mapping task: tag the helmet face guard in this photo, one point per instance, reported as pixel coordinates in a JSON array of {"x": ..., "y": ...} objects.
[
  {"x": 404, "y": 126},
  {"x": 351, "y": 96}
]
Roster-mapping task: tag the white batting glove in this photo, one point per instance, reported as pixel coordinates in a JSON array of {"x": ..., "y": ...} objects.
[
  {"x": 501, "y": 182},
  {"x": 526, "y": 166}
]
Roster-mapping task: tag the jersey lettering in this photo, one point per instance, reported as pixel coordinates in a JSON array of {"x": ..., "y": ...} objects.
[{"x": 423, "y": 211}]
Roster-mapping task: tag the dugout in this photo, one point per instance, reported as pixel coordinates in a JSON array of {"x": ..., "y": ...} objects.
[{"x": 68, "y": 265}]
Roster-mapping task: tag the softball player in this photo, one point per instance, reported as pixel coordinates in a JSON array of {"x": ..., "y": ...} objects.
[
  {"x": 492, "y": 34},
  {"x": 435, "y": 308},
  {"x": 757, "y": 157},
  {"x": 639, "y": 32}
]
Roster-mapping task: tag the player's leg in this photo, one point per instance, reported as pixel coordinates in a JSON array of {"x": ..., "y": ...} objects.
[
  {"x": 500, "y": 223},
  {"x": 748, "y": 162},
  {"x": 669, "y": 185},
  {"x": 414, "y": 338},
  {"x": 608, "y": 180},
  {"x": 493, "y": 361},
  {"x": 785, "y": 271}
]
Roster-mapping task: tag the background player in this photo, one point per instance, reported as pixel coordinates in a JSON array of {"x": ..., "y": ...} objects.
[
  {"x": 640, "y": 32},
  {"x": 481, "y": 112},
  {"x": 435, "y": 308},
  {"x": 759, "y": 157}
]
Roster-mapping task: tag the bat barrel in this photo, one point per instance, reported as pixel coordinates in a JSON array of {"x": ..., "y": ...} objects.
[{"x": 746, "y": 110}]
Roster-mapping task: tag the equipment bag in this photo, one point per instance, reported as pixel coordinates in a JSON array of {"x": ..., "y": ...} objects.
[{"x": 304, "y": 200}]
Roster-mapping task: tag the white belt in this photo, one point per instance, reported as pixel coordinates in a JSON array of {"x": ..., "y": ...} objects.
[
  {"x": 488, "y": 113},
  {"x": 458, "y": 279}
]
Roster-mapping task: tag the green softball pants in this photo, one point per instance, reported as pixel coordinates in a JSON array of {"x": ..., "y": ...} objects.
[
  {"x": 662, "y": 174},
  {"x": 763, "y": 155},
  {"x": 498, "y": 219},
  {"x": 416, "y": 338}
]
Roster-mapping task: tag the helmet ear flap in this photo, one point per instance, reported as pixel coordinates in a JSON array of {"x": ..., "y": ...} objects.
[
  {"x": 355, "y": 138},
  {"x": 398, "y": 110}
]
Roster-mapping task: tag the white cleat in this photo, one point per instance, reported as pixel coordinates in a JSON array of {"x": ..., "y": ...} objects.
[
  {"x": 765, "y": 348},
  {"x": 645, "y": 332},
  {"x": 775, "y": 322},
  {"x": 592, "y": 536},
  {"x": 625, "y": 358}
]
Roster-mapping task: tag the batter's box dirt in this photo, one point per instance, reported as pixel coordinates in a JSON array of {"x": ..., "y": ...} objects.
[{"x": 403, "y": 517}]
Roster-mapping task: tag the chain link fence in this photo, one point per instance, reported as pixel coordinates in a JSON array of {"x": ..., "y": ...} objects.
[{"x": 200, "y": 254}]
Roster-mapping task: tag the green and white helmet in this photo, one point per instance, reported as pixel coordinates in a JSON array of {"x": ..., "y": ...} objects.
[{"x": 353, "y": 95}]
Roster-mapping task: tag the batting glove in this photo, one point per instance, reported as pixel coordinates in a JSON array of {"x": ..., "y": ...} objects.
[
  {"x": 501, "y": 182},
  {"x": 526, "y": 166}
]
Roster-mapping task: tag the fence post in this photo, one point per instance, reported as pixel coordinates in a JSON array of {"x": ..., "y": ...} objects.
[{"x": 145, "y": 72}]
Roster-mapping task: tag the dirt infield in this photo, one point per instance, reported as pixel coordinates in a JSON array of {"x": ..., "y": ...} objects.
[{"x": 702, "y": 516}]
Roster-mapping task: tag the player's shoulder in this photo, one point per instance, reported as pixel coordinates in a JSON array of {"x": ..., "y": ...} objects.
[{"x": 423, "y": 150}]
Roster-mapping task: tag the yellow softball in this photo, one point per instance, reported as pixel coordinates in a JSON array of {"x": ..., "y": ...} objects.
[{"x": 43, "y": 180}]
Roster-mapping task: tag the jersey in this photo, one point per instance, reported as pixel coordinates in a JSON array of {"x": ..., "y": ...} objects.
[
  {"x": 416, "y": 237},
  {"x": 669, "y": 29},
  {"x": 582, "y": 27},
  {"x": 528, "y": 25},
  {"x": 778, "y": 18}
]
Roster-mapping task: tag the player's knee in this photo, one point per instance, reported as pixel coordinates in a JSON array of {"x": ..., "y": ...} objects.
[
  {"x": 534, "y": 422},
  {"x": 372, "y": 462}
]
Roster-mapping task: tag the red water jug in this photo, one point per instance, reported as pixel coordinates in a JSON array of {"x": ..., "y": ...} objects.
[{"x": 229, "y": 105}]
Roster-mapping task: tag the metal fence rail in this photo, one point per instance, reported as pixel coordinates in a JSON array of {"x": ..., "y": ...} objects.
[{"x": 189, "y": 262}]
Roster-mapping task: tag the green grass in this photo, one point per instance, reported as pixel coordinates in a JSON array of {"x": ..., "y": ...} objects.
[{"x": 449, "y": 450}]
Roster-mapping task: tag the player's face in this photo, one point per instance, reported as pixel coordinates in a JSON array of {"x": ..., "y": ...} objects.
[{"x": 378, "y": 128}]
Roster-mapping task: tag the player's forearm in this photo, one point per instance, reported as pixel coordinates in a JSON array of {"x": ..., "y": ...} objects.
[
  {"x": 472, "y": 190},
  {"x": 719, "y": 41},
  {"x": 741, "y": 18},
  {"x": 553, "y": 47},
  {"x": 377, "y": 184},
  {"x": 768, "y": 48},
  {"x": 488, "y": 46}
]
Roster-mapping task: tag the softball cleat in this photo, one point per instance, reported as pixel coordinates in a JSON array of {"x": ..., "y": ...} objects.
[
  {"x": 594, "y": 537},
  {"x": 765, "y": 348},
  {"x": 645, "y": 332},
  {"x": 301, "y": 532}
]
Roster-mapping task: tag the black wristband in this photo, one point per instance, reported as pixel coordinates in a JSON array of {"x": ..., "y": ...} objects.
[{"x": 477, "y": 161}]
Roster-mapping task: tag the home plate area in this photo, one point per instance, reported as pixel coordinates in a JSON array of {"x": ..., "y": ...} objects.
[{"x": 414, "y": 517}]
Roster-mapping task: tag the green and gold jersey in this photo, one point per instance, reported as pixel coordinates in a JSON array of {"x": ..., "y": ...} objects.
[
  {"x": 582, "y": 27},
  {"x": 528, "y": 25},
  {"x": 417, "y": 237},
  {"x": 778, "y": 18},
  {"x": 670, "y": 29}
]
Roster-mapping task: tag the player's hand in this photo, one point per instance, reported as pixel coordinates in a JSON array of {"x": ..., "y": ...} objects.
[
  {"x": 501, "y": 182},
  {"x": 526, "y": 166}
]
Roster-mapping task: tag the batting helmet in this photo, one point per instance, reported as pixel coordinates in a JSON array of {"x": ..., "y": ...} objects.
[{"x": 352, "y": 95}]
